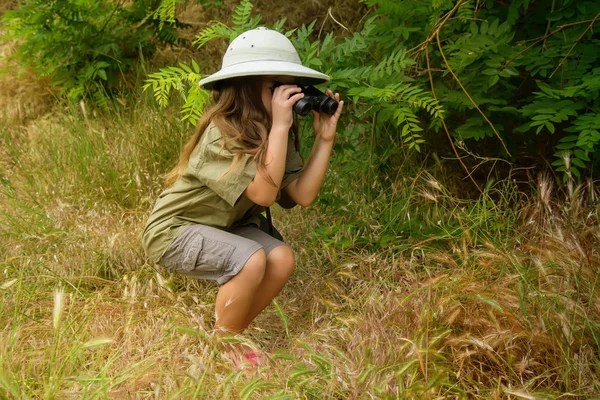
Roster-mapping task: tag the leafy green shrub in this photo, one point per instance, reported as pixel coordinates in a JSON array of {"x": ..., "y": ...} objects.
[
  {"x": 86, "y": 46},
  {"x": 513, "y": 71},
  {"x": 523, "y": 73}
]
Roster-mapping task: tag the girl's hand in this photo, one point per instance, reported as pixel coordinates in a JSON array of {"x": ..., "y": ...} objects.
[
  {"x": 325, "y": 125},
  {"x": 284, "y": 98}
]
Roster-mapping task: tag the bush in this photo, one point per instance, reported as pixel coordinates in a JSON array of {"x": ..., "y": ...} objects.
[
  {"x": 87, "y": 46},
  {"x": 509, "y": 79}
]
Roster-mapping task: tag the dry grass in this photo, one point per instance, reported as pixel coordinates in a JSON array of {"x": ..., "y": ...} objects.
[
  {"x": 502, "y": 304},
  {"x": 6, "y": 5},
  {"x": 22, "y": 94},
  {"x": 504, "y": 320}
]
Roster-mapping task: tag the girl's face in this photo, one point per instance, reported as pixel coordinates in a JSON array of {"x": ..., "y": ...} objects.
[{"x": 267, "y": 89}]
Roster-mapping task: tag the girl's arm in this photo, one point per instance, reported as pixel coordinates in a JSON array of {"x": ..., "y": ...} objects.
[
  {"x": 305, "y": 189},
  {"x": 261, "y": 190}
]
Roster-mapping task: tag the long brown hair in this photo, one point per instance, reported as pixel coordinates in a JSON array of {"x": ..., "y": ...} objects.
[{"x": 239, "y": 114}]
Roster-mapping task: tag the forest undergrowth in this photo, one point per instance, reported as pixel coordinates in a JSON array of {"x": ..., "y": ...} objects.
[{"x": 403, "y": 288}]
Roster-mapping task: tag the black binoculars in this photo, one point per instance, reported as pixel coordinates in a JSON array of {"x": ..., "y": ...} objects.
[{"x": 313, "y": 99}]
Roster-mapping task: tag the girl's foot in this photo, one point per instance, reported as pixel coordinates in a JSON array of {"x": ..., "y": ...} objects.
[
  {"x": 244, "y": 357},
  {"x": 255, "y": 359}
]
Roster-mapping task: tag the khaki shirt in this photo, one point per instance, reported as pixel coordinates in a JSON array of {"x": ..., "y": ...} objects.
[{"x": 210, "y": 192}]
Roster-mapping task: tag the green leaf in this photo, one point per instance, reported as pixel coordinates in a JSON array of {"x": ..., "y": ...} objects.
[
  {"x": 365, "y": 374},
  {"x": 489, "y": 301},
  {"x": 575, "y": 172},
  {"x": 570, "y": 138},
  {"x": 474, "y": 28},
  {"x": 565, "y": 146},
  {"x": 281, "y": 396},
  {"x": 583, "y": 155},
  {"x": 195, "y": 66},
  {"x": 483, "y": 27},
  {"x": 540, "y": 117},
  {"x": 282, "y": 315},
  {"x": 578, "y": 162},
  {"x": 493, "y": 27},
  {"x": 186, "y": 68},
  {"x": 255, "y": 384}
]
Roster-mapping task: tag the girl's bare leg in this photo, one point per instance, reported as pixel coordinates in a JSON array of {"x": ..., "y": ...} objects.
[
  {"x": 235, "y": 297},
  {"x": 279, "y": 268},
  {"x": 241, "y": 299}
]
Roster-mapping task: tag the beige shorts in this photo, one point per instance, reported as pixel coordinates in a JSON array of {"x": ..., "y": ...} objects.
[{"x": 204, "y": 252}]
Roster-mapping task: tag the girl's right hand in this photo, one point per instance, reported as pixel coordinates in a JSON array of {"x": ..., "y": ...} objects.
[{"x": 284, "y": 98}]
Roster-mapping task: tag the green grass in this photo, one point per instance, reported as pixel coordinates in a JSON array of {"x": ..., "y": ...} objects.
[{"x": 415, "y": 293}]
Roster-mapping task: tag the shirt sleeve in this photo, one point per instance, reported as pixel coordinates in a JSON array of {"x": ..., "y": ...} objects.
[{"x": 216, "y": 169}]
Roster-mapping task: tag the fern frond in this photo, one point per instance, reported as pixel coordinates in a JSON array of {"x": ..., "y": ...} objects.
[
  {"x": 401, "y": 100},
  {"x": 278, "y": 25},
  {"x": 184, "y": 79},
  {"x": 214, "y": 31},
  {"x": 241, "y": 17},
  {"x": 580, "y": 145},
  {"x": 166, "y": 12},
  {"x": 465, "y": 12},
  {"x": 195, "y": 101},
  {"x": 241, "y": 23}
]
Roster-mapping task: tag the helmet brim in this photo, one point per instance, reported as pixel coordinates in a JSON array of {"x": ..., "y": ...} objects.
[{"x": 304, "y": 76}]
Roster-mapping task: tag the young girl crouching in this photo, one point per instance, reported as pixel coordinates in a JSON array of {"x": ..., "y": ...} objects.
[{"x": 243, "y": 157}]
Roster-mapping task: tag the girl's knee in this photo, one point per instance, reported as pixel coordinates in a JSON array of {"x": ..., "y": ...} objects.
[
  {"x": 254, "y": 269},
  {"x": 281, "y": 261}
]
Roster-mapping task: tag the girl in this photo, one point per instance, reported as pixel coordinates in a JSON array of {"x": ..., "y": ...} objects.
[{"x": 242, "y": 158}]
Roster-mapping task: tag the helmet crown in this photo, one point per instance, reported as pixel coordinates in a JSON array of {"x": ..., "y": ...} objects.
[
  {"x": 261, "y": 52},
  {"x": 260, "y": 44}
]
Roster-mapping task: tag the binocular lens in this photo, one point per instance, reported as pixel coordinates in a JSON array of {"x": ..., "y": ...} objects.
[
  {"x": 329, "y": 106},
  {"x": 302, "y": 107}
]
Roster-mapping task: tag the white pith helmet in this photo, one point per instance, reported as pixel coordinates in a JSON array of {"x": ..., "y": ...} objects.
[{"x": 263, "y": 51}]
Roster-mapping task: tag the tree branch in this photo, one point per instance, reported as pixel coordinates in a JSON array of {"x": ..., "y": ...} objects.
[
  {"x": 445, "y": 127},
  {"x": 559, "y": 29},
  {"x": 575, "y": 44}
]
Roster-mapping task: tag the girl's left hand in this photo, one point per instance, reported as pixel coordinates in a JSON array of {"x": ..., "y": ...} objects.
[{"x": 325, "y": 125}]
